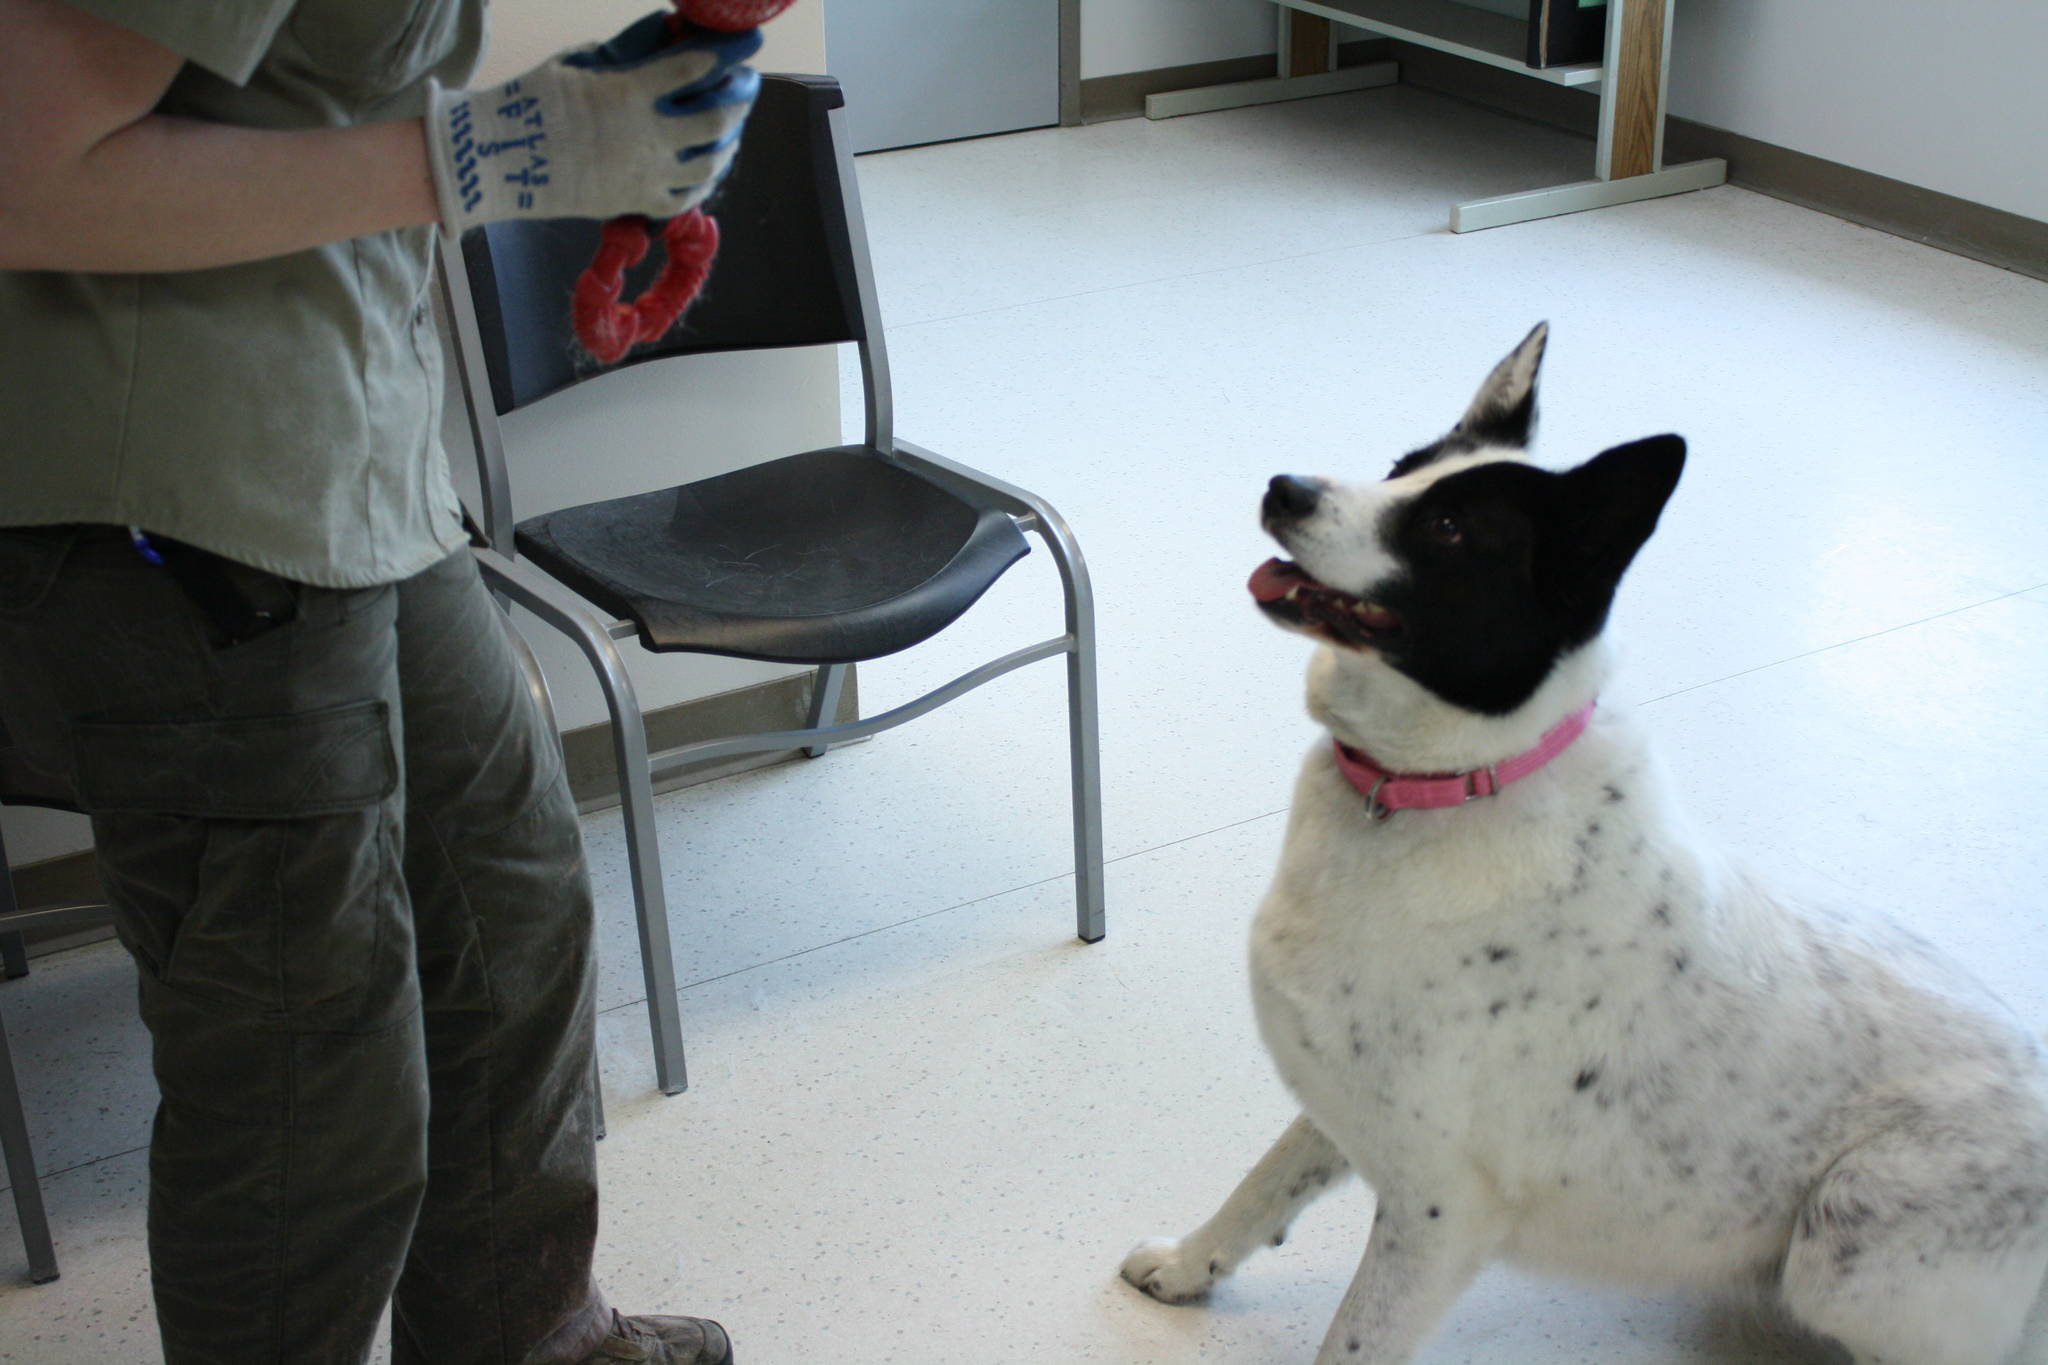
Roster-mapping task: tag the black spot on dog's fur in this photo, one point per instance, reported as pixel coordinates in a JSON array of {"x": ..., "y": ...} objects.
[
  {"x": 1494, "y": 954},
  {"x": 1586, "y": 1078}
]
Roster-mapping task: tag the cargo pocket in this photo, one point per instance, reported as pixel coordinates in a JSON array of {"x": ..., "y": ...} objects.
[
  {"x": 256, "y": 863},
  {"x": 244, "y": 768}
]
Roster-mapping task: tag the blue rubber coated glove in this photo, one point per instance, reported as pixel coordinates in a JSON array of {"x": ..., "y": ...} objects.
[{"x": 638, "y": 124}]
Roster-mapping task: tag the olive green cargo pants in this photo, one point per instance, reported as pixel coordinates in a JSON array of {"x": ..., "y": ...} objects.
[{"x": 344, "y": 857}]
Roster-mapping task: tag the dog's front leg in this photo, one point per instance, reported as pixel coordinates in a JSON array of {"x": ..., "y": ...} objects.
[
  {"x": 1300, "y": 1166},
  {"x": 1424, "y": 1250}
]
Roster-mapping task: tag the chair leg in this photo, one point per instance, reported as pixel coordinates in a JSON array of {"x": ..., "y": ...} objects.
[
  {"x": 21, "y": 1173},
  {"x": 1085, "y": 743},
  {"x": 636, "y": 791},
  {"x": 544, "y": 698},
  {"x": 825, "y": 690},
  {"x": 650, "y": 901},
  {"x": 1038, "y": 515},
  {"x": 1082, "y": 731},
  {"x": 13, "y": 948}
]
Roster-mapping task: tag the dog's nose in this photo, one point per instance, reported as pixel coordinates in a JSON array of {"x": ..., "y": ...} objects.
[{"x": 1291, "y": 496}]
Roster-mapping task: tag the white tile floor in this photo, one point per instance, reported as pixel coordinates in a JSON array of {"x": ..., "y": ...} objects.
[{"x": 925, "y": 1123}]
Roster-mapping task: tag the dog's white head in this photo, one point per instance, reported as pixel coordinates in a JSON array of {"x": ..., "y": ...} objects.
[{"x": 1458, "y": 596}]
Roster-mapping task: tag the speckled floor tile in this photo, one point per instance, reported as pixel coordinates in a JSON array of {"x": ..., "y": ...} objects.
[{"x": 81, "y": 1056}]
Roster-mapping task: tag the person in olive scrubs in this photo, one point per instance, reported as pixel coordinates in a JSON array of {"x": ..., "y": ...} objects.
[{"x": 239, "y": 628}]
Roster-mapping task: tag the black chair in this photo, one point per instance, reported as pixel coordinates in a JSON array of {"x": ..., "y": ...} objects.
[{"x": 822, "y": 558}]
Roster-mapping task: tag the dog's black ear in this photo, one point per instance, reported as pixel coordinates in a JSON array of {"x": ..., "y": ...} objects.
[
  {"x": 1503, "y": 412},
  {"x": 1609, "y": 505}
]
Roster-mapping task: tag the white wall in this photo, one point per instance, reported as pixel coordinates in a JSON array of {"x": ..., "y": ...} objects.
[
  {"x": 1119, "y": 36},
  {"x": 1949, "y": 97},
  {"x": 630, "y": 432}
]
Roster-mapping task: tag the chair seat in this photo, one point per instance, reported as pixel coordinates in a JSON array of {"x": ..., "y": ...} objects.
[{"x": 831, "y": 556}]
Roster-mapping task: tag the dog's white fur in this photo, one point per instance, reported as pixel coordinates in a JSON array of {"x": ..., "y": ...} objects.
[{"x": 1557, "y": 1027}]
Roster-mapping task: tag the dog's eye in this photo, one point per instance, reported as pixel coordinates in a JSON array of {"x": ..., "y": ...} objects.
[{"x": 1445, "y": 531}]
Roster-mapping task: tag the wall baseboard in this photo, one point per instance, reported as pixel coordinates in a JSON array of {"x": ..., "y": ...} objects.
[
  {"x": 779, "y": 704},
  {"x": 1960, "y": 226},
  {"x": 1104, "y": 98}
]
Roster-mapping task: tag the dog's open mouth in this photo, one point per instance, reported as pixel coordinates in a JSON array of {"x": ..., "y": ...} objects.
[{"x": 1287, "y": 593}]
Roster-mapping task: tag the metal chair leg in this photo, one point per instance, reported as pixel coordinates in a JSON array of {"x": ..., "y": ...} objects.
[
  {"x": 544, "y": 698},
  {"x": 650, "y": 900},
  {"x": 13, "y": 947},
  {"x": 1035, "y": 514},
  {"x": 1085, "y": 744},
  {"x": 636, "y": 792},
  {"x": 825, "y": 690},
  {"x": 21, "y": 1173},
  {"x": 1083, "y": 736}
]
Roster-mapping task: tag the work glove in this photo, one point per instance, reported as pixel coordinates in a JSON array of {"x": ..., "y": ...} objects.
[{"x": 644, "y": 124}]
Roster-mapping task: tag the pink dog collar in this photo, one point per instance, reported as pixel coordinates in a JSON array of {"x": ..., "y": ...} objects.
[{"x": 1386, "y": 792}]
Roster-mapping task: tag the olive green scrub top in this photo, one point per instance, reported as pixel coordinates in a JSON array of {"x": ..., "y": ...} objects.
[{"x": 286, "y": 412}]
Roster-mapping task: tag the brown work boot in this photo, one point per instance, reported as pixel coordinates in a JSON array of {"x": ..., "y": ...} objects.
[{"x": 663, "y": 1341}]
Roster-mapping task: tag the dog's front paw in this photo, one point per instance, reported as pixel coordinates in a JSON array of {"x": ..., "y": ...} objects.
[{"x": 1168, "y": 1271}]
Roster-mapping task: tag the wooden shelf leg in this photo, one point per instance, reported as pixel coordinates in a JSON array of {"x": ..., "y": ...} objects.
[
  {"x": 1308, "y": 43},
  {"x": 1632, "y": 96},
  {"x": 1629, "y": 157}
]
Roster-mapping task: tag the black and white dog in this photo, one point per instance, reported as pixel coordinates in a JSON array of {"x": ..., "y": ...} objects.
[{"x": 1545, "y": 1020}]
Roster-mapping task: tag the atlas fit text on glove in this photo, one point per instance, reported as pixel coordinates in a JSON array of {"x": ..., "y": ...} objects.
[{"x": 646, "y": 123}]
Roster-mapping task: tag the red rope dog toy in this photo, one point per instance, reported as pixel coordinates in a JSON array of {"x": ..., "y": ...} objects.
[{"x": 609, "y": 327}]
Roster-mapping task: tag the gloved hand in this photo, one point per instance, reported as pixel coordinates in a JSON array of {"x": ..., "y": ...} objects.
[{"x": 646, "y": 123}]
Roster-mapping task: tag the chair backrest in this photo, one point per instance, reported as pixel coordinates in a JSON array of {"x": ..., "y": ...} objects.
[{"x": 792, "y": 270}]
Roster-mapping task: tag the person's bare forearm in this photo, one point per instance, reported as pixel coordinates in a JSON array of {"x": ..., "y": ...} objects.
[{"x": 177, "y": 194}]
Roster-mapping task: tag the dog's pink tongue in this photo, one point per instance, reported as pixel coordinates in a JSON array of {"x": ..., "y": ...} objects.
[{"x": 1271, "y": 580}]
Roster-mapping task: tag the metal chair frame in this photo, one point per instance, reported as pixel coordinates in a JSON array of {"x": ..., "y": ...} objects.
[
  {"x": 14, "y": 1137},
  {"x": 597, "y": 637}
]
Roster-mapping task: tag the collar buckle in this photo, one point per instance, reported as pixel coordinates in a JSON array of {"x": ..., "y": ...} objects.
[{"x": 1473, "y": 791}]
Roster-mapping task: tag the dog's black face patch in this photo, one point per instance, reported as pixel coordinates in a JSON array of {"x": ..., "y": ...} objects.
[
  {"x": 1480, "y": 633},
  {"x": 1500, "y": 570},
  {"x": 1507, "y": 568}
]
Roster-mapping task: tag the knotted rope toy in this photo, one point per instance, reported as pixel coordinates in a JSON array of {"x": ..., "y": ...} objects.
[{"x": 610, "y": 327}]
